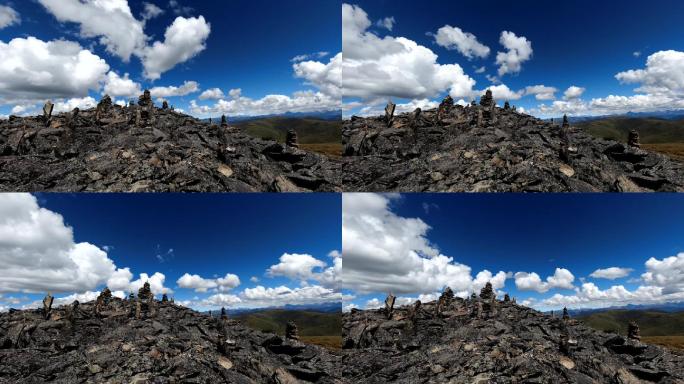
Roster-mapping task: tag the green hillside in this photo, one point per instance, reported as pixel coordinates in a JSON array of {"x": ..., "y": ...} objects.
[
  {"x": 308, "y": 323},
  {"x": 651, "y": 323},
  {"x": 309, "y": 130},
  {"x": 651, "y": 130}
]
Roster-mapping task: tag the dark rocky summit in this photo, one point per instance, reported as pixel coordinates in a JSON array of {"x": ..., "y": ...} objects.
[
  {"x": 141, "y": 148},
  {"x": 485, "y": 340},
  {"x": 484, "y": 148},
  {"x": 164, "y": 343}
]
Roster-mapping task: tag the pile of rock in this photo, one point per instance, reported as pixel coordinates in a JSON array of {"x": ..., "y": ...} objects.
[
  {"x": 74, "y": 345},
  {"x": 484, "y": 148},
  {"x": 142, "y": 148},
  {"x": 465, "y": 342}
]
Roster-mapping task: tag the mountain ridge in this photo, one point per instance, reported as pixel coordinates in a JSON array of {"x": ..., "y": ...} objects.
[{"x": 484, "y": 148}]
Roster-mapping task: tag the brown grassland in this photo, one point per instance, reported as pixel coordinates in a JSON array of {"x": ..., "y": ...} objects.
[{"x": 330, "y": 342}]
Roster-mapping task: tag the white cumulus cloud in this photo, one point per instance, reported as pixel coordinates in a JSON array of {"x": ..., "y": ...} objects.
[
  {"x": 464, "y": 42},
  {"x": 183, "y": 40},
  {"x": 611, "y": 273},
  {"x": 380, "y": 68},
  {"x": 518, "y": 51}
]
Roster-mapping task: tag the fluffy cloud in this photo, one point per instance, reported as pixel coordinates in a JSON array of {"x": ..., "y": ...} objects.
[
  {"x": 464, "y": 42},
  {"x": 610, "y": 105},
  {"x": 518, "y": 51},
  {"x": 295, "y": 266},
  {"x": 238, "y": 105},
  {"x": 200, "y": 284},
  {"x": 260, "y": 296},
  {"x": 664, "y": 74},
  {"x": 611, "y": 273},
  {"x": 502, "y": 92},
  {"x": 562, "y": 278},
  {"x": 8, "y": 17},
  {"x": 591, "y": 296},
  {"x": 379, "y": 68},
  {"x": 661, "y": 87},
  {"x": 663, "y": 282},
  {"x": 116, "y": 86},
  {"x": 183, "y": 40},
  {"x": 573, "y": 92},
  {"x": 110, "y": 20},
  {"x": 156, "y": 283},
  {"x": 150, "y": 11},
  {"x": 326, "y": 77},
  {"x": 379, "y": 109},
  {"x": 667, "y": 273},
  {"x": 70, "y": 104},
  {"x": 38, "y": 252},
  {"x": 387, "y": 23},
  {"x": 541, "y": 92},
  {"x": 32, "y": 70},
  {"x": 212, "y": 94},
  {"x": 187, "y": 88},
  {"x": 384, "y": 252}
]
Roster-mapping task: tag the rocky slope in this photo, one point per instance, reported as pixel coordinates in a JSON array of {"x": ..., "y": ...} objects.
[
  {"x": 483, "y": 148},
  {"x": 163, "y": 343},
  {"x": 484, "y": 340},
  {"x": 142, "y": 148}
]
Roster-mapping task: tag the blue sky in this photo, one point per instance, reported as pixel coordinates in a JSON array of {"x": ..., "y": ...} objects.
[
  {"x": 208, "y": 235},
  {"x": 236, "y": 45},
  {"x": 513, "y": 236},
  {"x": 580, "y": 43}
]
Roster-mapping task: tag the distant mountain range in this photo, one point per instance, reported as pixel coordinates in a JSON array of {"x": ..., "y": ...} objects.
[
  {"x": 666, "y": 115},
  {"x": 325, "y": 115},
  {"x": 330, "y": 307},
  {"x": 651, "y": 322},
  {"x": 666, "y": 307}
]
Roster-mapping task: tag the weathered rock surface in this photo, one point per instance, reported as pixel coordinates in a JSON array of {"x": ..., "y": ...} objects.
[
  {"x": 172, "y": 344},
  {"x": 484, "y": 148},
  {"x": 140, "y": 148},
  {"x": 493, "y": 341}
]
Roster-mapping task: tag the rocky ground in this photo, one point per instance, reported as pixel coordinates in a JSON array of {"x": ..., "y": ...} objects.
[
  {"x": 483, "y": 340},
  {"x": 165, "y": 343},
  {"x": 485, "y": 148},
  {"x": 144, "y": 148}
]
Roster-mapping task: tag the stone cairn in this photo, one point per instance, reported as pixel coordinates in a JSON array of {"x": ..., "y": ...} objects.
[
  {"x": 487, "y": 292},
  {"x": 445, "y": 300},
  {"x": 165, "y": 104},
  {"x": 389, "y": 305},
  {"x": 507, "y": 298},
  {"x": 47, "y": 112},
  {"x": 103, "y": 300},
  {"x": 47, "y": 305},
  {"x": 72, "y": 312},
  {"x": 633, "y": 331},
  {"x": 165, "y": 299},
  {"x": 633, "y": 139},
  {"x": 488, "y": 106},
  {"x": 291, "y": 139},
  {"x": 103, "y": 107},
  {"x": 389, "y": 113},
  {"x": 145, "y": 111},
  {"x": 445, "y": 107},
  {"x": 565, "y": 140},
  {"x": 507, "y": 106},
  {"x": 566, "y": 315},
  {"x": 488, "y": 299},
  {"x": 224, "y": 121},
  {"x": 291, "y": 331},
  {"x": 145, "y": 302},
  {"x": 224, "y": 315}
]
